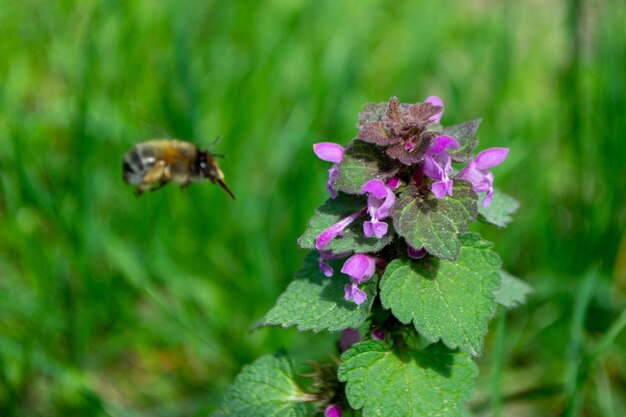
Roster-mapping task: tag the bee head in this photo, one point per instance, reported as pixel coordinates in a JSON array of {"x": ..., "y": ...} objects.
[{"x": 207, "y": 167}]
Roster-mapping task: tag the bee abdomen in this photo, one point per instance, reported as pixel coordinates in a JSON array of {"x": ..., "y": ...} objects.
[{"x": 132, "y": 167}]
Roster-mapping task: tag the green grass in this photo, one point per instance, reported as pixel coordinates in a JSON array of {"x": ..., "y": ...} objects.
[{"x": 124, "y": 306}]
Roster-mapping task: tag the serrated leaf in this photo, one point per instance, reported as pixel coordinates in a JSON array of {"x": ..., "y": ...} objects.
[
  {"x": 513, "y": 292},
  {"x": 264, "y": 389},
  {"x": 315, "y": 302},
  {"x": 434, "y": 224},
  {"x": 500, "y": 210},
  {"x": 353, "y": 239},
  {"x": 447, "y": 301},
  {"x": 429, "y": 383},
  {"x": 372, "y": 112},
  {"x": 464, "y": 134},
  {"x": 363, "y": 162}
]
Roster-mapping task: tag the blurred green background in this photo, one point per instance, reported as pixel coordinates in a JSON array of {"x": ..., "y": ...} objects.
[{"x": 124, "y": 306}]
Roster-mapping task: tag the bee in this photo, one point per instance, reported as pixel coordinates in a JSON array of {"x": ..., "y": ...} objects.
[{"x": 152, "y": 164}]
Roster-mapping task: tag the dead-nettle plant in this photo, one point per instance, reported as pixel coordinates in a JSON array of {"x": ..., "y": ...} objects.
[{"x": 394, "y": 268}]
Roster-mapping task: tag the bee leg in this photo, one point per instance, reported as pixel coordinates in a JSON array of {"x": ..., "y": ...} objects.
[{"x": 160, "y": 173}]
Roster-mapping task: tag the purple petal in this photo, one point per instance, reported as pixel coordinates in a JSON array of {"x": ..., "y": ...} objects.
[
  {"x": 380, "y": 229},
  {"x": 393, "y": 182},
  {"x": 375, "y": 187},
  {"x": 333, "y": 173},
  {"x": 354, "y": 293},
  {"x": 487, "y": 200},
  {"x": 368, "y": 229},
  {"x": 359, "y": 268},
  {"x": 440, "y": 188},
  {"x": 326, "y": 269},
  {"x": 348, "y": 338},
  {"x": 435, "y": 101},
  {"x": 385, "y": 209},
  {"x": 333, "y": 411},
  {"x": 358, "y": 296},
  {"x": 442, "y": 143},
  {"x": 415, "y": 253},
  {"x": 491, "y": 157},
  {"x": 331, "y": 190},
  {"x": 470, "y": 173},
  {"x": 378, "y": 334},
  {"x": 449, "y": 184},
  {"x": 333, "y": 231},
  {"x": 328, "y": 151},
  {"x": 432, "y": 169},
  {"x": 375, "y": 228}
]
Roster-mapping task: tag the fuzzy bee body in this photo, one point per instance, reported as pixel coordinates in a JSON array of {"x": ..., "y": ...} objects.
[{"x": 152, "y": 164}]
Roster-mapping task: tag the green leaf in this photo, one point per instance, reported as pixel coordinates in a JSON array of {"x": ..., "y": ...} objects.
[
  {"x": 447, "y": 301},
  {"x": 264, "y": 389},
  {"x": 513, "y": 292},
  {"x": 500, "y": 210},
  {"x": 464, "y": 134},
  {"x": 434, "y": 224},
  {"x": 353, "y": 238},
  {"x": 391, "y": 383},
  {"x": 315, "y": 302},
  {"x": 363, "y": 162}
]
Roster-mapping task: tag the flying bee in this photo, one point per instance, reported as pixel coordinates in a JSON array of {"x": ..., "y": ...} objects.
[{"x": 152, "y": 164}]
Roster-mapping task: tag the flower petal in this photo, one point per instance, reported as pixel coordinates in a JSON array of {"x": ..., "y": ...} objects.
[
  {"x": 358, "y": 295},
  {"x": 334, "y": 230},
  {"x": 385, "y": 209},
  {"x": 441, "y": 188},
  {"x": 328, "y": 151},
  {"x": 333, "y": 411},
  {"x": 380, "y": 229},
  {"x": 415, "y": 253},
  {"x": 326, "y": 269},
  {"x": 375, "y": 187},
  {"x": 359, "y": 267},
  {"x": 491, "y": 157},
  {"x": 393, "y": 182},
  {"x": 432, "y": 169},
  {"x": 435, "y": 101},
  {"x": 442, "y": 143},
  {"x": 378, "y": 334}
]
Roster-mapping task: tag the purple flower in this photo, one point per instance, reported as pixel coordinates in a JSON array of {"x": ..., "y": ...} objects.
[
  {"x": 354, "y": 293},
  {"x": 380, "y": 200},
  {"x": 394, "y": 183},
  {"x": 477, "y": 171},
  {"x": 335, "y": 230},
  {"x": 331, "y": 152},
  {"x": 348, "y": 338},
  {"x": 435, "y": 101},
  {"x": 415, "y": 253},
  {"x": 438, "y": 163},
  {"x": 378, "y": 334},
  {"x": 333, "y": 410},
  {"x": 360, "y": 268},
  {"x": 327, "y": 255},
  {"x": 326, "y": 269}
]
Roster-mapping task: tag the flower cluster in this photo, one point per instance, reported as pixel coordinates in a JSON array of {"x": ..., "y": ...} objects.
[{"x": 410, "y": 138}]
